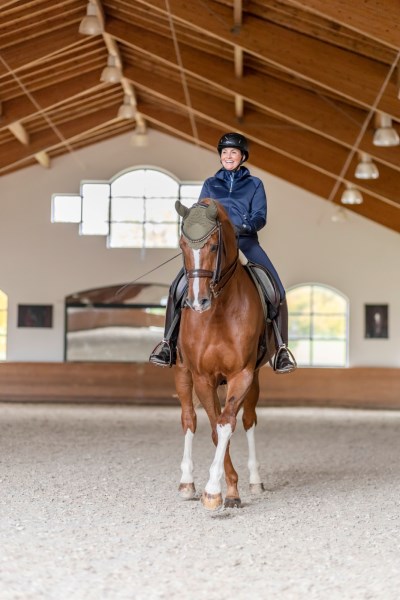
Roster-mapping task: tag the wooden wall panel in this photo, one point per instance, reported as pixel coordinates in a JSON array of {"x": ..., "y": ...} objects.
[{"x": 361, "y": 387}]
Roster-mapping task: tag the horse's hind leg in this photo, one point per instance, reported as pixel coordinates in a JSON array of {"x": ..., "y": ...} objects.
[
  {"x": 187, "y": 488},
  {"x": 232, "y": 498},
  {"x": 249, "y": 423},
  {"x": 183, "y": 382}
]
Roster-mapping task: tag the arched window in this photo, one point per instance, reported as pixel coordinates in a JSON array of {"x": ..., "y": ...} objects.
[
  {"x": 3, "y": 325},
  {"x": 135, "y": 209},
  {"x": 318, "y": 325}
]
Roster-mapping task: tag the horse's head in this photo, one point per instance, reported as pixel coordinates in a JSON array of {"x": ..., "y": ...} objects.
[{"x": 209, "y": 250}]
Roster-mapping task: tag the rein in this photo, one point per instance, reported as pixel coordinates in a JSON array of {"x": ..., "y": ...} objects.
[{"x": 121, "y": 289}]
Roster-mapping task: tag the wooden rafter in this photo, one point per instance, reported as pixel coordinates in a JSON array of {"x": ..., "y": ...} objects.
[{"x": 301, "y": 79}]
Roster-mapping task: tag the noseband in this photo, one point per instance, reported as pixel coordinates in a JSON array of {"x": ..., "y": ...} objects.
[{"x": 218, "y": 279}]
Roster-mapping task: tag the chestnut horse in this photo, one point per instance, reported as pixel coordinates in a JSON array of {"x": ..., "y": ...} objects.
[{"x": 222, "y": 327}]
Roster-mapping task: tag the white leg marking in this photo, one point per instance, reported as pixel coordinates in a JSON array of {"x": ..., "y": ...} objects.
[
  {"x": 196, "y": 282},
  {"x": 217, "y": 468},
  {"x": 253, "y": 463},
  {"x": 187, "y": 463}
]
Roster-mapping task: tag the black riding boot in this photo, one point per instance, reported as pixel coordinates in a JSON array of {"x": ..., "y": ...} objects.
[
  {"x": 164, "y": 354},
  {"x": 284, "y": 360}
]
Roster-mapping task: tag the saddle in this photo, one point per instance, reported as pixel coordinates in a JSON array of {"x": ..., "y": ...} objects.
[
  {"x": 267, "y": 289},
  {"x": 270, "y": 300}
]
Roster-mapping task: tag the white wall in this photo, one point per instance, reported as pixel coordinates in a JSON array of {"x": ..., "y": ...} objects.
[{"x": 41, "y": 263}]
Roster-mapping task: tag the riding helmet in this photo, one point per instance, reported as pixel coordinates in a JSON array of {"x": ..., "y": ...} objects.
[{"x": 234, "y": 140}]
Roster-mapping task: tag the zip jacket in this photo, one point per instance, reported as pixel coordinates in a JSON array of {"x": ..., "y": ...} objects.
[{"x": 243, "y": 197}]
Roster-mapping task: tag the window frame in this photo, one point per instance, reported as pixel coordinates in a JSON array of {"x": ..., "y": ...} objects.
[
  {"x": 311, "y": 315},
  {"x": 145, "y": 225}
]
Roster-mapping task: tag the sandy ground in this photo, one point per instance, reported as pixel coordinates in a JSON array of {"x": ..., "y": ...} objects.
[{"x": 89, "y": 507}]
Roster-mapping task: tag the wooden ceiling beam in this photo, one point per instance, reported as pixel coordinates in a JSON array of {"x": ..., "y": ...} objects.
[
  {"x": 19, "y": 131},
  {"x": 377, "y": 20},
  {"x": 25, "y": 54},
  {"x": 43, "y": 159},
  {"x": 47, "y": 139},
  {"x": 338, "y": 122},
  {"x": 30, "y": 23},
  {"x": 310, "y": 148},
  {"x": 306, "y": 148},
  {"x": 271, "y": 162},
  {"x": 47, "y": 98},
  {"x": 302, "y": 20},
  {"x": 290, "y": 51}
]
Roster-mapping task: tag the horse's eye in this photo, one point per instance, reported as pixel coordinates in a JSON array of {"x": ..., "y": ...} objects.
[{"x": 214, "y": 247}]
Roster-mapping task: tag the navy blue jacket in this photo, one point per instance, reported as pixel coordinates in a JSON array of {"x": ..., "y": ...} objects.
[{"x": 243, "y": 197}]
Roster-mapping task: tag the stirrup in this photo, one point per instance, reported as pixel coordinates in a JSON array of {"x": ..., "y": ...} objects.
[
  {"x": 158, "y": 350},
  {"x": 278, "y": 352}
]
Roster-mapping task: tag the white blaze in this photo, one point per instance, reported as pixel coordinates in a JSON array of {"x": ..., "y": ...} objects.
[{"x": 196, "y": 280}]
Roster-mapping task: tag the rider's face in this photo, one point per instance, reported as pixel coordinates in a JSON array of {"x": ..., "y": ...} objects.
[{"x": 231, "y": 158}]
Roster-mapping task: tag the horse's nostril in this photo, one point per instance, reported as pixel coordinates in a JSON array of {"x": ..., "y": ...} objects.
[{"x": 205, "y": 302}]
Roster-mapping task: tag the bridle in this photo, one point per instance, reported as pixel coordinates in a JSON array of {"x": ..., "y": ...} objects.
[{"x": 218, "y": 279}]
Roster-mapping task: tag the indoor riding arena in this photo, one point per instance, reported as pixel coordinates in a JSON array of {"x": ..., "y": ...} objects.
[{"x": 222, "y": 476}]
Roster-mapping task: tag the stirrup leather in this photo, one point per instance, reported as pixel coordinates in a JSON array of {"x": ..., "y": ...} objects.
[{"x": 280, "y": 349}]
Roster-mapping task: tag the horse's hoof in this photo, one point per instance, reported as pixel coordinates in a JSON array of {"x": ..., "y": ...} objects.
[
  {"x": 232, "y": 502},
  {"x": 256, "y": 488},
  {"x": 211, "y": 501},
  {"x": 187, "y": 491}
]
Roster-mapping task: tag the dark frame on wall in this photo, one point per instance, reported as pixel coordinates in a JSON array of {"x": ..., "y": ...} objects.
[
  {"x": 376, "y": 321},
  {"x": 35, "y": 315}
]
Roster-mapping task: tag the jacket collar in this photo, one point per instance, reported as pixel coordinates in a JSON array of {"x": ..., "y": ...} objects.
[{"x": 226, "y": 175}]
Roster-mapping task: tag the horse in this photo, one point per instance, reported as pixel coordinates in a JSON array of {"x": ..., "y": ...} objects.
[{"x": 223, "y": 327}]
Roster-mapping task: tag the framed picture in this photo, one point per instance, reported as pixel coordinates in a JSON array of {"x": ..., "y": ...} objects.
[
  {"x": 35, "y": 315},
  {"x": 376, "y": 321}
]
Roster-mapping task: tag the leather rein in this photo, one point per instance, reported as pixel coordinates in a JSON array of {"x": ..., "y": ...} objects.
[{"x": 218, "y": 279}]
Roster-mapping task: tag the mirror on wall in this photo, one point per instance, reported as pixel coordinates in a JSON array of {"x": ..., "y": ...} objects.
[{"x": 120, "y": 323}]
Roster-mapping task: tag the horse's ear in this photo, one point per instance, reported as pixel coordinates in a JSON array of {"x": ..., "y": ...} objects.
[
  {"x": 212, "y": 211},
  {"x": 181, "y": 209}
]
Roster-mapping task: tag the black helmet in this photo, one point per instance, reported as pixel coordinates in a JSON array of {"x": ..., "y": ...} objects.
[{"x": 234, "y": 140}]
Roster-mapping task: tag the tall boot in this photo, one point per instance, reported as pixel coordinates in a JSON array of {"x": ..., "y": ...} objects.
[
  {"x": 164, "y": 354},
  {"x": 284, "y": 361}
]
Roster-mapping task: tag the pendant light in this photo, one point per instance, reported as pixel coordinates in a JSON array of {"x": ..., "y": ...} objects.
[
  {"x": 90, "y": 24},
  {"x": 366, "y": 169},
  {"x": 385, "y": 134},
  {"x": 127, "y": 110},
  {"x": 351, "y": 195},
  {"x": 111, "y": 73}
]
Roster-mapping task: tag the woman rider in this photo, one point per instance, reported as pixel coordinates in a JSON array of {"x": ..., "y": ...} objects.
[{"x": 243, "y": 197}]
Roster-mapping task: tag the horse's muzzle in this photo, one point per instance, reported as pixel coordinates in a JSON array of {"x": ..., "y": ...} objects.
[{"x": 200, "y": 305}]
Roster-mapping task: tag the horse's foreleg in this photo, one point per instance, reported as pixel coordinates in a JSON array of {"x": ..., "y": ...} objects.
[
  {"x": 212, "y": 496},
  {"x": 184, "y": 386},
  {"x": 249, "y": 424},
  {"x": 236, "y": 392}
]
